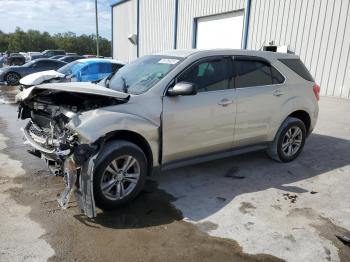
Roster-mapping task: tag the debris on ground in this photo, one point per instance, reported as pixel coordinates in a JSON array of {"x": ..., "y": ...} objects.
[
  {"x": 313, "y": 192},
  {"x": 344, "y": 239},
  {"x": 292, "y": 198},
  {"x": 232, "y": 173},
  {"x": 222, "y": 199}
]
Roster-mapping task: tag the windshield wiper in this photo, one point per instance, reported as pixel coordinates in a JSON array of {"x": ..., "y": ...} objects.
[{"x": 125, "y": 86}]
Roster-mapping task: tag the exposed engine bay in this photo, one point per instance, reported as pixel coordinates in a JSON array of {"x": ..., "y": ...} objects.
[{"x": 49, "y": 112}]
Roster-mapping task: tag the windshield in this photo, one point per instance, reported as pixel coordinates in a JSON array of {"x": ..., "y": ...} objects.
[
  {"x": 71, "y": 68},
  {"x": 142, "y": 74}
]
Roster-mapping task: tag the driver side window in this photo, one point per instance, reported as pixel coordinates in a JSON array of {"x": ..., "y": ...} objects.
[{"x": 209, "y": 75}]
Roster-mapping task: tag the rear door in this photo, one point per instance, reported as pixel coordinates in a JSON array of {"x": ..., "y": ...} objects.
[
  {"x": 259, "y": 87},
  {"x": 203, "y": 123}
]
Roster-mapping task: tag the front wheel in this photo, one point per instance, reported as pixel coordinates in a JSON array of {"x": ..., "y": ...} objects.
[
  {"x": 289, "y": 140},
  {"x": 120, "y": 174}
]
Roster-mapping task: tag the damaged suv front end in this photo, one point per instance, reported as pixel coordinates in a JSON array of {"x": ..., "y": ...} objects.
[{"x": 52, "y": 131}]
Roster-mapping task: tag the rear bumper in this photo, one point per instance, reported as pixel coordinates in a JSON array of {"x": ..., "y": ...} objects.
[{"x": 313, "y": 120}]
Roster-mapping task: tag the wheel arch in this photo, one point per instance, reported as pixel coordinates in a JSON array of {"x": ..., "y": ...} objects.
[
  {"x": 303, "y": 116},
  {"x": 136, "y": 139}
]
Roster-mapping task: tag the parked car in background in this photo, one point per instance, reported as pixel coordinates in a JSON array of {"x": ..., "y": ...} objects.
[
  {"x": 50, "y": 53},
  {"x": 168, "y": 110},
  {"x": 12, "y": 74},
  {"x": 70, "y": 58},
  {"x": 2, "y": 60},
  {"x": 89, "y": 56},
  {"x": 29, "y": 55},
  {"x": 82, "y": 70},
  {"x": 34, "y": 55},
  {"x": 25, "y": 54},
  {"x": 56, "y": 56},
  {"x": 71, "y": 54},
  {"x": 15, "y": 59}
]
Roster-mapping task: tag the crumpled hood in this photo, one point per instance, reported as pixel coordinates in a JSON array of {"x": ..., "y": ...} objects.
[
  {"x": 39, "y": 77},
  {"x": 72, "y": 87}
]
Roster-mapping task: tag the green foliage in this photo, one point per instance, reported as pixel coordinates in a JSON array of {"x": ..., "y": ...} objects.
[{"x": 34, "y": 40}]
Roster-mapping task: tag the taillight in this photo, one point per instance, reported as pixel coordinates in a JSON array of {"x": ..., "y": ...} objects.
[{"x": 316, "y": 88}]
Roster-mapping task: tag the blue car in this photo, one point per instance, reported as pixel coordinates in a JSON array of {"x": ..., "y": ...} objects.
[{"x": 82, "y": 70}]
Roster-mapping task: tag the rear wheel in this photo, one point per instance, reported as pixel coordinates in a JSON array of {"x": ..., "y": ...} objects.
[
  {"x": 119, "y": 175},
  {"x": 289, "y": 140},
  {"x": 12, "y": 78}
]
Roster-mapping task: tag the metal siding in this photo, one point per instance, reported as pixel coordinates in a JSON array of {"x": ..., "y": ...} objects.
[
  {"x": 156, "y": 25},
  {"x": 189, "y": 10},
  {"x": 342, "y": 78},
  {"x": 124, "y": 24},
  {"x": 316, "y": 30}
]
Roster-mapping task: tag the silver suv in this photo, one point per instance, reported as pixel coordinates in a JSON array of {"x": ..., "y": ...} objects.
[{"x": 167, "y": 110}]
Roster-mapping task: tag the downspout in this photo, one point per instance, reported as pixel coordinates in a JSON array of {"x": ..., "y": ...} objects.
[
  {"x": 138, "y": 28},
  {"x": 175, "y": 23},
  {"x": 112, "y": 32},
  {"x": 246, "y": 23}
]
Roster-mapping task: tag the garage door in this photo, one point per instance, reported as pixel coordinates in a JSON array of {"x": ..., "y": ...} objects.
[{"x": 220, "y": 31}]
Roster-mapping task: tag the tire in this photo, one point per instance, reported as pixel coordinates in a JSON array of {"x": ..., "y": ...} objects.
[
  {"x": 12, "y": 78},
  {"x": 109, "y": 170},
  {"x": 289, "y": 141}
]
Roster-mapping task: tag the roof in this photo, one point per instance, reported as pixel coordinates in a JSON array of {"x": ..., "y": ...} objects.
[
  {"x": 179, "y": 52},
  {"x": 46, "y": 59},
  {"x": 189, "y": 52},
  {"x": 90, "y": 60}
]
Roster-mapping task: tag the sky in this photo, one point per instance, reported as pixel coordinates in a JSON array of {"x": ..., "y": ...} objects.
[{"x": 55, "y": 16}]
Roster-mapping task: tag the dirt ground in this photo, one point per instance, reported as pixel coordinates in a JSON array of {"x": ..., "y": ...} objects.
[{"x": 186, "y": 215}]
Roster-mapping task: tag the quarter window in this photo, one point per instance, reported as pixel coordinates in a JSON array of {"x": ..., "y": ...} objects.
[
  {"x": 208, "y": 75},
  {"x": 277, "y": 78},
  {"x": 255, "y": 73}
]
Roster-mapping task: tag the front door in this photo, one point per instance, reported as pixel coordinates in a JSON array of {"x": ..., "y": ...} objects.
[{"x": 203, "y": 123}]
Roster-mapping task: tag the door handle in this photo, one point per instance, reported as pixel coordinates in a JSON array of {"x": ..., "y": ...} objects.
[
  {"x": 225, "y": 102},
  {"x": 278, "y": 93}
]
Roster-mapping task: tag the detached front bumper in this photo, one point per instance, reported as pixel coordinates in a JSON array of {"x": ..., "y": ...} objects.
[{"x": 78, "y": 177}]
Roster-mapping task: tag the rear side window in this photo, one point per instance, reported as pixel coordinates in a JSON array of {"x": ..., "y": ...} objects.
[
  {"x": 277, "y": 78},
  {"x": 298, "y": 67},
  {"x": 255, "y": 73},
  {"x": 105, "y": 68}
]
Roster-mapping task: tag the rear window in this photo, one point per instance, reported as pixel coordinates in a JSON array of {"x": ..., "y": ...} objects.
[{"x": 298, "y": 67}]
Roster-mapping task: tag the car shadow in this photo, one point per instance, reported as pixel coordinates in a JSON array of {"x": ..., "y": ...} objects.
[
  {"x": 204, "y": 189},
  {"x": 152, "y": 207}
]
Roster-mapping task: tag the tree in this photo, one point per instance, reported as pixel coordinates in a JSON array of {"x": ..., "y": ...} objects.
[{"x": 34, "y": 40}]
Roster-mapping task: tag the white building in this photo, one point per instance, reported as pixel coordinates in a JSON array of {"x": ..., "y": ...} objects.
[{"x": 316, "y": 30}]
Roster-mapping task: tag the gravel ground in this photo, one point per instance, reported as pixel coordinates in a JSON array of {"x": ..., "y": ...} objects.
[{"x": 245, "y": 208}]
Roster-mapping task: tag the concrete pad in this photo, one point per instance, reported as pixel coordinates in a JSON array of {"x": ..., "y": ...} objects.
[
  {"x": 291, "y": 211},
  {"x": 20, "y": 237}
]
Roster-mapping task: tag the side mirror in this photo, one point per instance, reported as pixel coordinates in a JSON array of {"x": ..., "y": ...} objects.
[{"x": 183, "y": 89}]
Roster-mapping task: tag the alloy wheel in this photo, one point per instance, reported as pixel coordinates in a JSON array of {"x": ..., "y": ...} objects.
[
  {"x": 120, "y": 177},
  {"x": 12, "y": 79},
  {"x": 292, "y": 141}
]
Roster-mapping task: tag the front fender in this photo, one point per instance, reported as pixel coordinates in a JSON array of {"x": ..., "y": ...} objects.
[{"x": 94, "y": 124}]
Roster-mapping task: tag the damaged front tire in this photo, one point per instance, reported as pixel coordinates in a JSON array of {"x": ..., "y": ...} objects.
[{"x": 120, "y": 174}]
